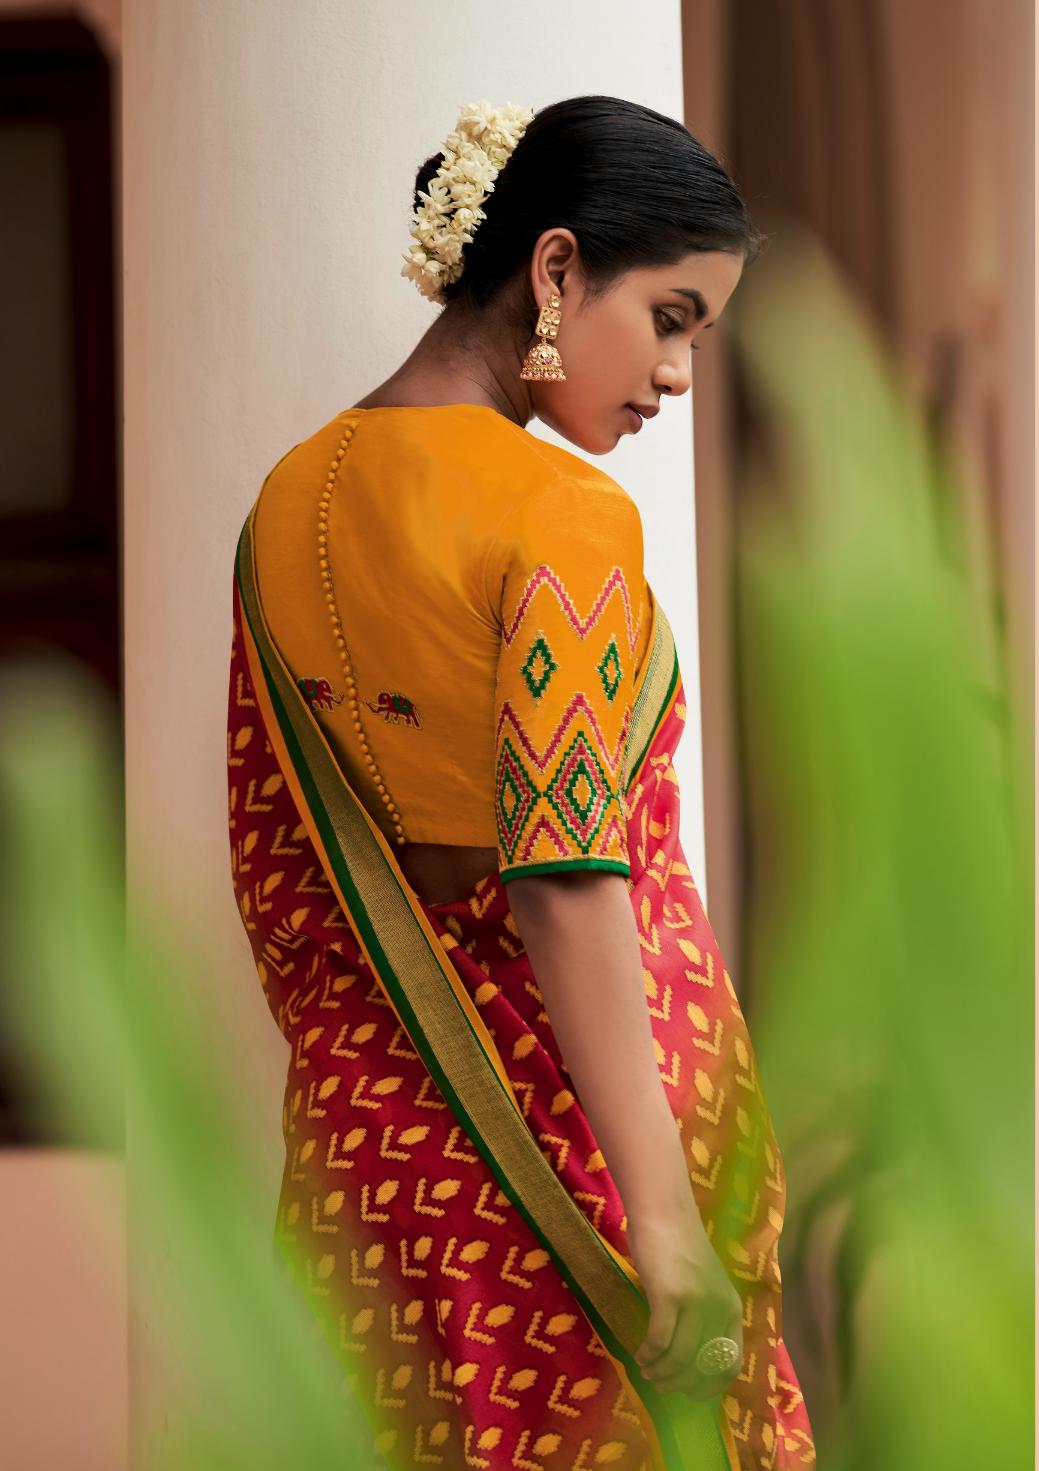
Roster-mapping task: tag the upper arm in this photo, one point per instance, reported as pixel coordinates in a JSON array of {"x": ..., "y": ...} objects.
[{"x": 571, "y": 603}]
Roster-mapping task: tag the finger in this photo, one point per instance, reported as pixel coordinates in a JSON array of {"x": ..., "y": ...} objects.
[
  {"x": 677, "y": 1361},
  {"x": 684, "y": 1376},
  {"x": 677, "y": 1369},
  {"x": 659, "y": 1334},
  {"x": 690, "y": 1332}
]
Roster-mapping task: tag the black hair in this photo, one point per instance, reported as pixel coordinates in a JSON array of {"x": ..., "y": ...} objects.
[{"x": 635, "y": 186}]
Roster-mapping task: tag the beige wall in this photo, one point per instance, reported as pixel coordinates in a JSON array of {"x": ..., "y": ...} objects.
[{"x": 269, "y": 155}]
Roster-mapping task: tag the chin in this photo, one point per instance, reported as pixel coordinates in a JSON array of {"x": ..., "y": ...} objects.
[
  {"x": 591, "y": 446},
  {"x": 601, "y": 444},
  {"x": 591, "y": 441}
]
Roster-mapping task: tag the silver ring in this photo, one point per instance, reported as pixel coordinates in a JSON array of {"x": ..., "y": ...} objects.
[{"x": 717, "y": 1355}]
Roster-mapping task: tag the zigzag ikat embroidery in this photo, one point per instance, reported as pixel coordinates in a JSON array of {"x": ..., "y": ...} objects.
[
  {"x": 564, "y": 705},
  {"x": 581, "y": 626}
]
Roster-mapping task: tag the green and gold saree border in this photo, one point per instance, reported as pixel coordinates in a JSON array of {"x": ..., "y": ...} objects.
[
  {"x": 656, "y": 693},
  {"x": 413, "y": 968}
]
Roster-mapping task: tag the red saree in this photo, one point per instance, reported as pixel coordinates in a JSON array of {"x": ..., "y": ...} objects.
[{"x": 450, "y": 1217}]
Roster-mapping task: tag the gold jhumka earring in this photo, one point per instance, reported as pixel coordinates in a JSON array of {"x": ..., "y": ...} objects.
[{"x": 543, "y": 363}]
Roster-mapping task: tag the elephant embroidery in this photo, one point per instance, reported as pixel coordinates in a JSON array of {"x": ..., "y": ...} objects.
[
  {"x": 395, "y": 707},
  {"x": 319, "y": 693}
]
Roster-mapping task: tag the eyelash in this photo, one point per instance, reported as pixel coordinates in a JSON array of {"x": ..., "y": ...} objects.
[{"x": 674, "y": 325}]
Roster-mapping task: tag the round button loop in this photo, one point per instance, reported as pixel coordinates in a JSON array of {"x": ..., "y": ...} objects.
[{"x": 328, "y": 587}]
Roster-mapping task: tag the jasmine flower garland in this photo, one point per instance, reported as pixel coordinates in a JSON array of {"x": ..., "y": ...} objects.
[{"x": 475, "y": 152}]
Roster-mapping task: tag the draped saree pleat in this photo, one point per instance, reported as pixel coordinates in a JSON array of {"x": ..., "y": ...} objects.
[{"x": 460, "y": 1235}]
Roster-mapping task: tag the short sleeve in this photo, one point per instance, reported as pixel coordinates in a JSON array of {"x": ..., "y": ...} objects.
[{"x": 571, "y": 605}]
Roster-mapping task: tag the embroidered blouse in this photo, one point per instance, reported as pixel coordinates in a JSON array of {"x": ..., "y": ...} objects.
[{"x": 464, "y": 608}]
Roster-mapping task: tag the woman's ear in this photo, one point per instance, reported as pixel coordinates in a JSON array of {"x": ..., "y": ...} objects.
[{"x": 554, "y": 261}]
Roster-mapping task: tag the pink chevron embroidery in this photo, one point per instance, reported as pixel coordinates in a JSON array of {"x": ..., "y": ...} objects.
[
  {"x": 565, "y": 850},
  {"x": 615, "y": 825},
  {"x": 552, "y": 833},
  {"x": 578, "y": 702},
  {"x": 581, "y": 626}
]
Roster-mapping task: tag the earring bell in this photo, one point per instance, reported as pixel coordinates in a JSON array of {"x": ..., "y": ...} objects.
[{"x": 543, "y": 363}]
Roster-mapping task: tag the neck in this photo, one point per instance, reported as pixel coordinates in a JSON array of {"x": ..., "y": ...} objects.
[{"x": 463, "y": 358}]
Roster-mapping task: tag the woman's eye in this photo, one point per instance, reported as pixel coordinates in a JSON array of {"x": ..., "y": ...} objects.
[
  {"x": 673, "y": 324},
  {"x": 670, "y": 321}
]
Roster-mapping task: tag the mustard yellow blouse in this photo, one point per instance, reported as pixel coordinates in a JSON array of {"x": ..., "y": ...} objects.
[{"x": 464, "y": 607}]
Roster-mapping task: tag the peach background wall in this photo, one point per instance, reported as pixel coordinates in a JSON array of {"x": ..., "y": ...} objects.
[{"x": 63, "y": 1344}]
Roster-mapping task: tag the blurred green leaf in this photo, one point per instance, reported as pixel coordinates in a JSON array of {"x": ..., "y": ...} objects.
[{"x": 892, "y": 951}]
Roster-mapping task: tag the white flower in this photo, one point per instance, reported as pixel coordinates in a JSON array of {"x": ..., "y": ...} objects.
[{"x": 475, "y": 152}]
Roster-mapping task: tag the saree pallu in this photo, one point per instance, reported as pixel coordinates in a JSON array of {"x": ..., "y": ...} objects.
[{"x": 444, "y": 1205}]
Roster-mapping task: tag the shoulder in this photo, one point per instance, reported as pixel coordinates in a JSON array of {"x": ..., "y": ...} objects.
[
  {"x": 563, "y": 506},
  {"x": 572, "y": 526},
  {"x": 302, "y": 460},
  {"x": 570, "y": 511},
  {"x": 303, "y": 465},
  {"x": 568, "y": 470}
]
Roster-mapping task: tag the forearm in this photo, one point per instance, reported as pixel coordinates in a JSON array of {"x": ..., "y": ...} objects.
[{"x": 580, "y": 933}]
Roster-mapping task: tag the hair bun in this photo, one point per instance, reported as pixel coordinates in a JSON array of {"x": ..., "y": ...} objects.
[
  {"x": 425, "y": 173},
  {"x": 450, "y": 188}
]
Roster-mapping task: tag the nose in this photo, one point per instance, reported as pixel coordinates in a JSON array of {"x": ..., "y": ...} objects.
[{"x": 676, "y": 380}]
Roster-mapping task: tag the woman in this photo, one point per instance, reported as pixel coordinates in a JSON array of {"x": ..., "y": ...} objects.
[{"x": 531, "y": 1184}]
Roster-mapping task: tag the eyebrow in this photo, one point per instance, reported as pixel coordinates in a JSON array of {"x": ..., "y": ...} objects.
[{"x": 698, "y": 302}]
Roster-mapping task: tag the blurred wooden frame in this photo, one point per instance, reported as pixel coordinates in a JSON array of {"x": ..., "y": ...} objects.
[{"x": 59, "y": 561}]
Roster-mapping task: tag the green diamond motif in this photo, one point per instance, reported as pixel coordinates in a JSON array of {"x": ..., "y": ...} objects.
[
  {"x": 515, "y": 796},
  {"x": 538, "y": 667},
  {"x": 580, "y": 791},
  {"x": 609, "y": 669}
]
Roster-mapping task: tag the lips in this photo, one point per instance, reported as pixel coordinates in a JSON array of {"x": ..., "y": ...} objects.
[
  {"x": 642, "y": 411},
  {"x": 634, "y": 417}
]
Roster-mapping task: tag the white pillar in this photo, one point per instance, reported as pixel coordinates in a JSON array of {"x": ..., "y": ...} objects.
[{"x": 269, "y": 157}]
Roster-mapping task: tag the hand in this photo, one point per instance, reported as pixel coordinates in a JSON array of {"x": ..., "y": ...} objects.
[{"x": 691, "y": 1300}]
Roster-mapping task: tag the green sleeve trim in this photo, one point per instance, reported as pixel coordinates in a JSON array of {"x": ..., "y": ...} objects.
[{"x": 611, "y": 865}]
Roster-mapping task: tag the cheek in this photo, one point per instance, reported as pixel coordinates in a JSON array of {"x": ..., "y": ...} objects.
[{"x": 602, "y": 349}]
